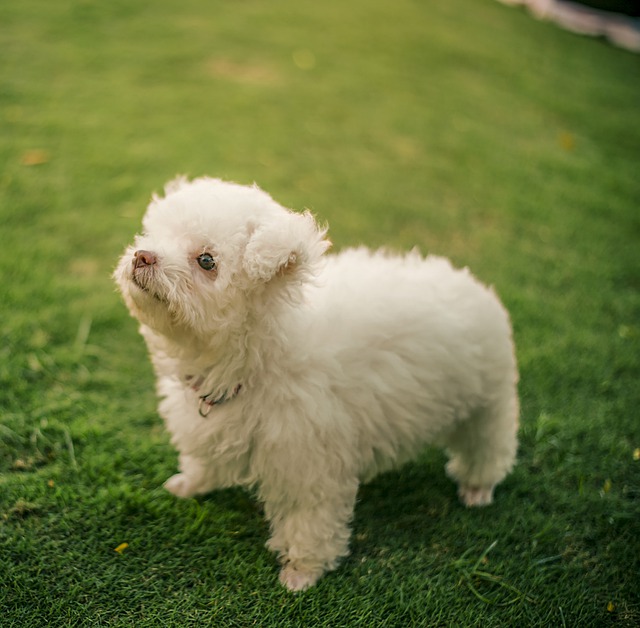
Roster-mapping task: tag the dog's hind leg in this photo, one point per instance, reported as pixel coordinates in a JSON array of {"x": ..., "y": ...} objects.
[{"x": 482, "y": 450}]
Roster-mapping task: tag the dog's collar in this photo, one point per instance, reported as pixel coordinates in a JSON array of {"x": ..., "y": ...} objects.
[{"x": 208, "y": 401}]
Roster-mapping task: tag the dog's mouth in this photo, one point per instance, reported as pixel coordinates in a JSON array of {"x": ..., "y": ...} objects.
[{"x": 143, "y": 282}]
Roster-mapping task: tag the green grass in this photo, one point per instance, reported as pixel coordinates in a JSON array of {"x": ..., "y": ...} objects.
[{"x": 463, "y": 127}]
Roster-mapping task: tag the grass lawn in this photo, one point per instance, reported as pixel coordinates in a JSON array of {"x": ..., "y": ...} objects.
[{"x": 463, "y": 127}]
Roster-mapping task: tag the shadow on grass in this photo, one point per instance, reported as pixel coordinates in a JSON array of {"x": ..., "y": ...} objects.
[{"x": 407, "y": 501}]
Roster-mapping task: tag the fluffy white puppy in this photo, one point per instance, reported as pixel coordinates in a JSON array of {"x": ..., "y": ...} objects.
[{"x": 301, "y": 375}]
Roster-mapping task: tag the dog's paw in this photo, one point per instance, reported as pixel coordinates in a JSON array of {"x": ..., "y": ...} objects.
[
  {"x": 475, "y": 495},
  {"x": 298, "y": 579},
  {"x": 180, "y": 485}
]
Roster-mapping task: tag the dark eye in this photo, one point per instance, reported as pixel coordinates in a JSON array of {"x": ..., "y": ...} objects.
[{"x": 206, "y": 261}]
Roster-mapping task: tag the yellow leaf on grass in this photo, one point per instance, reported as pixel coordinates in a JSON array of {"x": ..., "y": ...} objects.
[
  {"x": 34, "y": 157},
  {"x": 566, "y": 141},
  {"x": 636, "y": 454},
  {"x": 610, "y": 607},
  {"x": 121, "y": 547},
  {"x": 606, "y": 486}
]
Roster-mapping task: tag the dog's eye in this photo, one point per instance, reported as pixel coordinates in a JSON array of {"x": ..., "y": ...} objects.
[{"x": 206, "y": 261}]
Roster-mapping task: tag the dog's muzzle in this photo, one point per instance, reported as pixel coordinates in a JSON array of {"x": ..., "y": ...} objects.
[{"x": 143, "y": 266}]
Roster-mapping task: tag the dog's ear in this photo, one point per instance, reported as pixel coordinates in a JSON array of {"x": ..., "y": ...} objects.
[{"x": 290, "y": 245}]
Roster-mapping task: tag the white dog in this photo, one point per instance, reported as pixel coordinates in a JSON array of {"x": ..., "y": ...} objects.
[{"x": 301, "y": 375}]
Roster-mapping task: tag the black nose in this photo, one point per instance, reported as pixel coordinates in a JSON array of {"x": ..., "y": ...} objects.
[{"x": 144, "y": 258}]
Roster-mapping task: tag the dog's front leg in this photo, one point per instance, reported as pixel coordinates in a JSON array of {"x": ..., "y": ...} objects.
[
  {"x": 310, "y": 532},
  {"x": 198, "y": 476},
  {"x": 194, "y": 478}
]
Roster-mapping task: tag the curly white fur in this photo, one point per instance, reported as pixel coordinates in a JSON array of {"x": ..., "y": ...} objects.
[{"x": 317, "y": 371}]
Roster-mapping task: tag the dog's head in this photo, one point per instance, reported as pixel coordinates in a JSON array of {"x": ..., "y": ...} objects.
[{"x": 210, "y": 250}]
